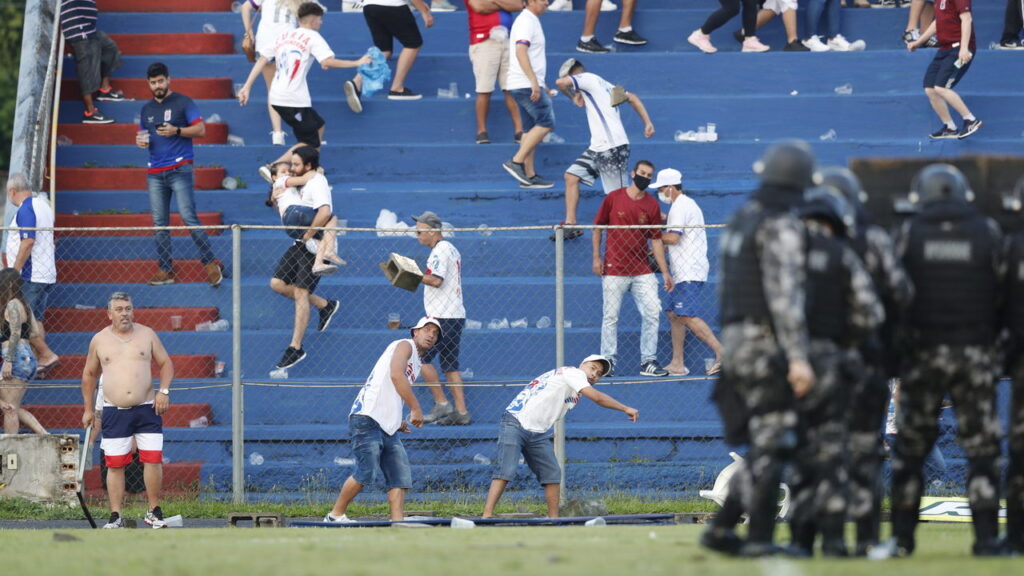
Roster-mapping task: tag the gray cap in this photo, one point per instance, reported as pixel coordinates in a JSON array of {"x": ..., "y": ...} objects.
[{"x": 430, "y": 219}]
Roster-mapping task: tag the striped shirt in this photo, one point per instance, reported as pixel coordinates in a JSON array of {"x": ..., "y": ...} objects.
[{"x": 78, "y": 19}]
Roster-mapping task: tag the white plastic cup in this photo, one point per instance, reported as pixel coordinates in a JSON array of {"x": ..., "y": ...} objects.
[
  {"x": 174, "y": 521},
  {"x": 142, "y": 138},
  {"x": 712, "y": 128},
  {"x": 473, "y": 324},
  {"x": 176, "y": 323},
  {"x": 462, "y": 523},
  {"x": 394, "y": 321}
]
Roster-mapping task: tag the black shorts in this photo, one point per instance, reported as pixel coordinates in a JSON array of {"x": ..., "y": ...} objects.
[
  {"x": 942, "y": 72},
  {"x": 387, "y": 23},
  {"x": 447, "y": 345},
  {"x": 305, "y": 123},
  {"x": 95, "y": 58},
  {"x": 295, "y": 268}
]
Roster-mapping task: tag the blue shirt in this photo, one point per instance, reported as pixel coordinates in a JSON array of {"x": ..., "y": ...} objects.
[
  {"x": 78, "y": 19},
  {"x": 167, "y": 152}
]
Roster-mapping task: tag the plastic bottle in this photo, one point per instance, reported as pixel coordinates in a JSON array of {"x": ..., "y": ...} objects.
[
  {"x": 221, "y": 325},
  {"x": 845, "y": 89},
  {"x": 63, "y": 140},
  {"x": 201, "y": 422},
  {"x": 229, "y": 183},
  {"x": 497, "y": 324},
  {"x": 256, "y": 459},
  {"x": 553, "y": 138},
  {"x": 344, "y": 461},
  {"x": 543, "y": 322},
  {"x": 473, "y": 324},
  {"x": 214, "y": 119},
  {"x": 481, "y": 460},
  {"x": 688, "y": 136},
  {"x": 484, "y": 230},
  {"x": 279, "y": 374},
  {"x": 596, "y": 522},
  {"x": 829, "y": 136},
  {"x": 520, "y": 323},
  {"x": 235, "y": 140},
  {"x": 209, "y": 28}
]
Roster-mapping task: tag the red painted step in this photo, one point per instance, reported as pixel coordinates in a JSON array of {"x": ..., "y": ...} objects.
[
  {"x": 185, "y": 366},
  {"x": 153, "y": 6},
  {"x": 205, "y": 178},
  {"x": 179, "y": 43},
  {"x": 179, "y": 477},
  {"x": 129, "y": 220},
  {"x": 138, "y": 88},
  {"x": 60, "y": 416},
  {"x": 216, "y": 133},
  {"x": 124, "y": 271},
  {"x": 159, "y": 319}
]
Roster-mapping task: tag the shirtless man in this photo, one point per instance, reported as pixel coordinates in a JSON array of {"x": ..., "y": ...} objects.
[{"x": 131, "y": 409}]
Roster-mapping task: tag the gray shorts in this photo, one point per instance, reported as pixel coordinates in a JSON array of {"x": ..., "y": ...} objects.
[
  {"x": 95, "y": 58},
  {"x": 611, "y": 165}
]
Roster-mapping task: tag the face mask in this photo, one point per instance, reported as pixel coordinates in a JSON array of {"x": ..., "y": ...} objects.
[
  {"x": 641, "y": 182},
  {"x": 664, "y": 198}
]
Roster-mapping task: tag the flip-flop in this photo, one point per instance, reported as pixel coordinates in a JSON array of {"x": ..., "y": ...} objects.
[
  {"x": 715, "y": 368},
  {"x": 44, "y": 368}
]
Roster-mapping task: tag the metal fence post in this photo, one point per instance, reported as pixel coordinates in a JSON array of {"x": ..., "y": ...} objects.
[
  {"x": 237, "y": 397},
  {"x": 560, "y": 344}
]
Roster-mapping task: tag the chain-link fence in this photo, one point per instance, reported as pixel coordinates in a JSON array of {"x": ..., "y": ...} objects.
[{"x": 240, "y": 425}]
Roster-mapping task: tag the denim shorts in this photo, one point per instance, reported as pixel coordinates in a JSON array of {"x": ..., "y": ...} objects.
[
  {"x": 24, "y": 362},
  {"x": 538, "y": 449},
  {"x": 37, "y": 294},
  {"x": 684, "y": 299},
  {"x": 297, "y": 215},
  {"x": 375, "y": 450},
  {"x": 539, "y": 113}
]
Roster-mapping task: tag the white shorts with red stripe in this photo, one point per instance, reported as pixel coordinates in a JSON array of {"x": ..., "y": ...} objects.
[{"x": 121, "y": 425}]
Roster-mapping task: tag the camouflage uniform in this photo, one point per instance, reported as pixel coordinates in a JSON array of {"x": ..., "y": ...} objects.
[
  {"x": 1014, "y": 315},
  {"x": 843, "y": 310},
  {"x": 954, "y": 258}
]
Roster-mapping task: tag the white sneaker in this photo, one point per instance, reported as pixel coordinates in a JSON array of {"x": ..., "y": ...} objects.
[
  {"x": 858, "y": 46},
  {"x": 561, "y": 5},
  {"x": 277, "y": 138},
  {"x": 352, "y": 5},
  {"x": 608, "y": 6},
  {"x": 266, "y": 174},
  {"x": 312, "y": 245},
  {"x": 752, "y": 44},
  {"x": 115, "y": 522},
  {"x": 814, "y": 44},
  {"x": 702, "y": 41},
  {"x": 838, "y": 44},
  {"x": 343, "y": 519},
  {"x": 442, "y": 6}
]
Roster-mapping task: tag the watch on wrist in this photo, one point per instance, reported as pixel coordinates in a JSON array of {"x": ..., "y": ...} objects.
[
  {"x": 165, "y": 391},
  {"x": 179, "y": 130}
]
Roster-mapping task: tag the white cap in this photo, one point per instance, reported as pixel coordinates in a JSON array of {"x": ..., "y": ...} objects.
[
  {"x": 667, "y": 177},
  {"x": 423, "y": 322},
  {"x": 598, "y": 358}
]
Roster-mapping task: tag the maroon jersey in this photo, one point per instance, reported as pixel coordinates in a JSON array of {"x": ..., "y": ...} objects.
[
  {"x": 947, "y": 22},
  {"x": 625, "y": 251}
]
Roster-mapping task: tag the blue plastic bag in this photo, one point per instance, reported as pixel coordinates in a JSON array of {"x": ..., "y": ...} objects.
[{"x": 376, "y": 74}]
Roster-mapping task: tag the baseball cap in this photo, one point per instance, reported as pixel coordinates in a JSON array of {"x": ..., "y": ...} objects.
[
  {"x": 598, "y": 358},
  {"x": 667, "y": 177},
  {"x": 430, "y": 219},
  {"x": 563, "y": 70},
  {"x": 423, "y": 322}
]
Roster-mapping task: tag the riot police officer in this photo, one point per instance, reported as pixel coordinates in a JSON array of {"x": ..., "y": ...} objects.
[
  {"x": 953, "y": 255},
  {"x": 1014, "y": 316},
  {"x": 764, "y": 337}
]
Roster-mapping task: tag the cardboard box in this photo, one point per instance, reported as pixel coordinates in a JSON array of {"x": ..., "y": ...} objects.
[{"x": 402, "y": 272}]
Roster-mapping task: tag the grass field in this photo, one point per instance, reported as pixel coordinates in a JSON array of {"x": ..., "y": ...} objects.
[{"x": 622, "y": 550}]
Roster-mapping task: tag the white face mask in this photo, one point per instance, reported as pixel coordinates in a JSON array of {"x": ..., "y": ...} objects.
[{"x": 664, "y": 198}]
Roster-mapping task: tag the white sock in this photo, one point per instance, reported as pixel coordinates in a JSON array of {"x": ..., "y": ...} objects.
[
  {"x": 625, "y": 30},
  {"x": 969, "y": 118},
  {"x": 951, "y": 125},
  {"x": 442, "y": 403},
  {"x": 586, "y": 38}
]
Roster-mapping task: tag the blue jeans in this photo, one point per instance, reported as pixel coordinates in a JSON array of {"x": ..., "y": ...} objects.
[
  {"x": 539, "y": 113},
  {"x": 374, "y": 449},
  {"x": 37, "y": 294},
  {"x": 537, "y": 448},
  {"x": 831, "y": 10},
  {"x": 177, "y": 181},
  {"x": 645, "y": 294}
]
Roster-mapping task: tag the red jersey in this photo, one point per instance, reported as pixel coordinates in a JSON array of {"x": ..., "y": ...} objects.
[
  {"x": 480, "y": 24},
  {"x": 625, "y": 251},
  {"x": 947, "y": 22}
]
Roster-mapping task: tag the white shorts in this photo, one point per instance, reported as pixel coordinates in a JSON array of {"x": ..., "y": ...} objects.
[
  {"x": 490, "y": 65},
  {"x": 779, "y": 6}
]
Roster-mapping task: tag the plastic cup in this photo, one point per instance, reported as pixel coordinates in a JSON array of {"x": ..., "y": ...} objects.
[
  {"x": 142, "y": 137},
  {"x": 176, "y": 323},
  {"x": 394, "y": 320}
]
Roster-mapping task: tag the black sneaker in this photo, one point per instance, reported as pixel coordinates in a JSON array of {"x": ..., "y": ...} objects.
[
  {"x": 932, "y": 42},
  {"x": 651, "y": 368},
  {"x": 114, "y": 523},
  {"x": 155, "y": 518},
  {"x": 591, "y": 46},
  {"x": 326, "y": 313},
  {"x": 796, "y": 46},
  {"x": 568, "y": 233},
  {"x": 517, "y": 171},
  {"x": 483, "y": 138},
  {"x": 738, "y": 35},
  {"x": 291, "y": 357},
  {"x": 945, "y": 133},
  {"x": 721, "y": 540},
  {"x": 110, "y": 96},
  {"x": 405, "y": 94},
  {"x": 537, "y": 183},
  {"x": 1011, "y": 45},
  {"x": 353, "y": 97},
  {"x": 631, "y": 38},
  {"x": 517, "y": 137},
  {"x": 910, "y": 36},
  {"x": 970, "y": 127},
  {"x": 96, "y": 117}
]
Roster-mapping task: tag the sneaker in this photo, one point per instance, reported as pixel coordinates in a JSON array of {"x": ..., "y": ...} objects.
[
  {"x": 945, "y": 133},
  {"x": 110, "y": 96},
  {"x": 631, "y": 38},
  {"x": 352, "y": 95},
  {"x": 537, "y": 183},
  {"x": 970, "y": 127},
  {"x": 438, "y": 412},
  {"x": 721, "y": 540},
  {"x": 323, "y": 269},
  {"x": 702, "y": 41},
  {"x": 752, "y": 44},
  {"x": 312, "y": 245},
  {"x": 483, "y": 138},
  {"x": 517, "y": 137},
  {"x": 888, "y": 4},
  {"x": 162, "y": 278},
  {"x": 405, "y": 94},
  {"x": 516, "y": 170},
  {"x": 352, "y": 5},
  {"x": 96, "y": 118},
  {"x": 858, "y": 46},
  {"x": 1010, "y": 45},
  {"x": 796, "y": 46},
  {"x": 155, "y": 518},
  {"x": 343, "y": 519},
  {"x": 561, "y": 5},
  {"x": 814, "y": 44},
  {"x": 114, "y": 523},
  {"x": 277, "y": 138},
  {"x": 291, "y": 357},
  {"x": 214, "y": 274},
  {"x": 591, "y": 46},
  {"x": 738, "y": 35},
  {"x": 838, "y": 44},
  {"x": 442, "y": 6},
  {"x": 910, "y": 36},
  {"x": 608, "y": 6},
  {"x": 715, "y": 369},
  {"x": 568, "y": 234},
  {"x": 326, "y": 314},
  {"x": 266, "y": 174},
  {"x": 651, "y": 368},
  {"x": 458, "y": 419},
  {"x": 932, "y": 42}
]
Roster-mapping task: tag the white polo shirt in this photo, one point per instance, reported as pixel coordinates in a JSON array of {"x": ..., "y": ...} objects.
[{"x": 548, "y": 398}]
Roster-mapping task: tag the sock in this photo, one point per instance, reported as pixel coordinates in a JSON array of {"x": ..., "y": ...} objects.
[
  {"x": 586, "y": 38},
  {"x": 626, "y": 30},
  {"x": 442, "y": 403},
  {"x": 951, "y": 125},
  {"x": 970, "y": 118}
]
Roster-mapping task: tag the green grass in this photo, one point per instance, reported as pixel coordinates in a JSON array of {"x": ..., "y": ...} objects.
[{"x": 620, "y": 550}]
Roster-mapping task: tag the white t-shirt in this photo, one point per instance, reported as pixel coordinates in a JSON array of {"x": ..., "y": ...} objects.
[
  {"x": 526, "y": 29},
  {"x": 378, "y": 398},
  {"x": 548, "y": 398},
  {"x": 288, "y": 198},
  {"x": 606, "y": 131},
  {"x": 294, "y": 52},
  {"x": 275, "y": 19},
  {"x": 317, "y": 193},
  {"x": 688, "y": 259},
  {"x": 446, "y": 301},
  {"x": 384, "y": 2},
  {"x": 41, "y": 266}
]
